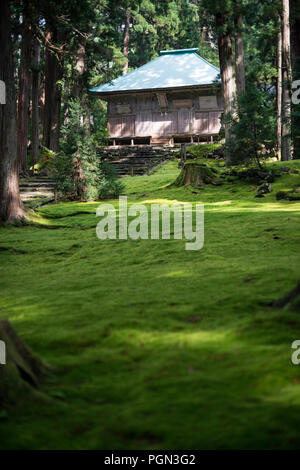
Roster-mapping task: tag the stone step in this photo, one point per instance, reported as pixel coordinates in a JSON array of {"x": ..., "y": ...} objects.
[
  {"x": 36, "y": 180},
  {"x": 34, "y": 195},
  {"x": 123, "y": 170},
  {"x": 135, "y": 165},
  {"x": 30, "y": 184},
  {"x": 134, "y": 160},
  {"x": 36, "y": 188}
]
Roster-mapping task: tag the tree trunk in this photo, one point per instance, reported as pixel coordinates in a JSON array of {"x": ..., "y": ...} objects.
[
  {"x": 79, "y": 68},
  {"x": 24, "y": 88},
  {"x": 35, "y": 102},
  {"x": 279, "y": 90},
  {"x": 295, "y": 48},
  {"x": 295, "y": 37},
  {"x": 126, "y": 41},
  {"x": 203, "y": 29},
  {"x": 52, "y": 107},
  {"x": 56, "y": 114},
  {"x": 79, "y": 83},
  {"x": 11, "y": 207},
  {"x": 196, "y": 174},
  {"x": 287, "y": 83},
  {"x": 239, "y": 55},
  {"x": 56, "y": 120},
  {"x": 49, "y": 85},
  {"x": 227, "y": 70}
]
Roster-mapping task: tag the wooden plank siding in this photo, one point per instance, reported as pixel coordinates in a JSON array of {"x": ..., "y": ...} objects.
[
  {"x": 214, "y": 122},
  {"x": 164, "y": 123},
  {"x": 145, "y": 118},
  {"x": 121, "y": 126},
  {"x": 143, "y": 123},
  {"x": 201, "y": 123}
]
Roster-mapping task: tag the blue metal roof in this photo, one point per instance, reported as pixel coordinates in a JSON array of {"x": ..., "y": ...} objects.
[{"x": 182, "y": 67}]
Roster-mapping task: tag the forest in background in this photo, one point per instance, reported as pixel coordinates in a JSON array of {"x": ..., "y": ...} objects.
[{"x": 53, "y": 52}]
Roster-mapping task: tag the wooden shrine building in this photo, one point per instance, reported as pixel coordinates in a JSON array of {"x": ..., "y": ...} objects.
[{"x": 174, "y": 98}]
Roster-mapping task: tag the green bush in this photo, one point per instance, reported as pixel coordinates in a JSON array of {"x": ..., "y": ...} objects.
[
  {"x": 253, "y": 129},
  {"x": 78, "y": 173},
  {"x": 46, "y": 161}
]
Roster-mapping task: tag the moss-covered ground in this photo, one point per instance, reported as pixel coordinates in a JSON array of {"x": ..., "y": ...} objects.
[{"x": 155, "y": 346}]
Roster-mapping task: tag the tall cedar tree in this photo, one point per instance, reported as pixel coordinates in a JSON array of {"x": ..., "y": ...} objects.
[
  {"x": 24, "y": 85},
  {"x": 35, "y": 97},
  {"x": 279, "y": 88},
  {"x": 295, "y": 48},
  {"x": 11, "y": 208},
  {"x": 227, "y": 68},
  {"x": 126, "y": 40},
  {"x": 287, "y": 82},
  {"x": 239, "y": 48}
]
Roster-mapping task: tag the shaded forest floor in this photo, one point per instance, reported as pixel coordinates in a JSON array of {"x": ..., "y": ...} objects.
[{"x": 155, "y": 346}]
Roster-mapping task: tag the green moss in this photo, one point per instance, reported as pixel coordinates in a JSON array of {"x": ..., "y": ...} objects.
[
  {"x": 203, "y": 150},
  {"x": 154, "y": 346},
  {"x": 288, "y": 195}
]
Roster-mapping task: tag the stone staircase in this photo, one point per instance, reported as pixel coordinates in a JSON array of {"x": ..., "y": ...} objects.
[
  {"x": 136, "y": 160},
  {"x": 127, "y": 160},
  {"x": 36, "y": 187}
]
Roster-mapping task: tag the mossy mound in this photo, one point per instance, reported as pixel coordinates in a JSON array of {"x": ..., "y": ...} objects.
[
  {"x": 196, "y": 174},
  {"x": 254, "y": 175},
  {"x": 206, "y": 151},
  {"x": 292, "y": 195}
]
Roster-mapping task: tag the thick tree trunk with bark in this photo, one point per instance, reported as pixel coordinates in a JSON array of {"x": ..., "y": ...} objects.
[
  {"x": 126, "y": 40},
  {"x": 239, "y": 55},
  {"x": 56, "y": 111},
  {"x": 196, "y": 174},
  {"x": 49, "y": 85},
  {"x": 227, "y": 69},
  {"x": 35, "y": 102},
  {"x": 295, "y": 37},
  {"x": 295, "y": 48},
  {"x": 79, "y": 68},
  {"x": 279, "y": 90},
  {"x": 52, "y": 107},
  {"x": 287, "y": 83},
  {"x": 79, "y": 82},
  {"x": 24, "y": 90},
  {"x": 11, "y": 207}
]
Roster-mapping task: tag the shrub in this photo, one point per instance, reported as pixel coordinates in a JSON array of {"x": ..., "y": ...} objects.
[
  {"x": 253, "y": 130},
  {"x": 46, "y": 161},
  {"x": 78, "y": 172}
]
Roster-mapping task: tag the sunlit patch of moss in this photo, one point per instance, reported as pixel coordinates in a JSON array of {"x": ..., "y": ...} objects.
[{"x": 155, "y": 346}]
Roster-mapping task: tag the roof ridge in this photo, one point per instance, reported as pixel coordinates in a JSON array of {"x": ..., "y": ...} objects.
[
  {"x": 206, "y": 61},
  {"x": 179, "y": 51},
  {"x": 126, "y": 75}
]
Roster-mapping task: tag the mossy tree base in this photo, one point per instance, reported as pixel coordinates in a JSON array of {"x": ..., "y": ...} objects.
[
  {"x": 290, "y": 301},
  {"x": 196, "y": 174},
  {"x": 23, "y": 371}
]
